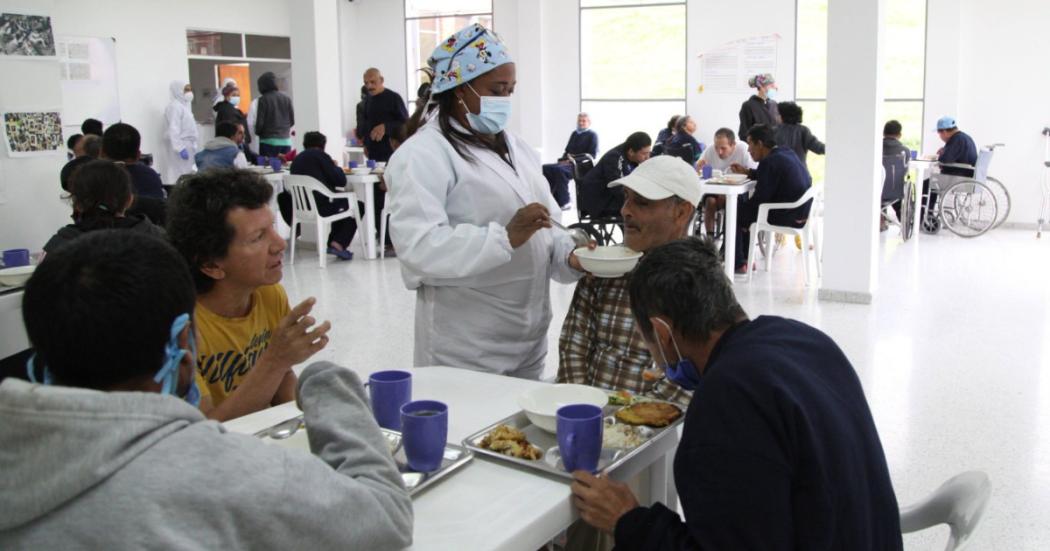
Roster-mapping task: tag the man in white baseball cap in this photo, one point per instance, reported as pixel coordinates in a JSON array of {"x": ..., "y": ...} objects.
[{"x": 598, "y": 345}]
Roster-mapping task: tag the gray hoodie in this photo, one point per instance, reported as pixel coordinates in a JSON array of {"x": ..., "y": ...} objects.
[{"x": 134, "y": 470}]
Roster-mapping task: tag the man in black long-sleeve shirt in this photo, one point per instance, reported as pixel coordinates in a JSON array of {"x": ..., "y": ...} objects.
[
  {"x": 779, "y": 449},
  {"x": 384, "y": 114},
  {"x": 781, "y": 178},
  {"x": 583, "y": 140},
  {"x": 314, "y": 162}
]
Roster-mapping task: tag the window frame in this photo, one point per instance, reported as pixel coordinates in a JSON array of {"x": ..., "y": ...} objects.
[{"x": 405, "y": 19}]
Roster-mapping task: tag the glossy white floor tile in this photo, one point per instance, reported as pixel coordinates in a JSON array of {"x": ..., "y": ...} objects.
[{"x": 954, "y": 355}]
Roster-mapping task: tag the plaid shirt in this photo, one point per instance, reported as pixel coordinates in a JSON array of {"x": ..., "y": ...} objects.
[{"x": 600, "y": 347}]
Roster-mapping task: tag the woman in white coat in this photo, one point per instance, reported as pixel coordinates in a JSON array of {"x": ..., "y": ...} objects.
[
  {"x": 181, "y": 139},
  {"x": 470, "y": 219}
]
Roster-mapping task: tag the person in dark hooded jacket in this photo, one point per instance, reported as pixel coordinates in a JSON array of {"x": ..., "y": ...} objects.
[
  {"x": 101, "y": 195},
  {"x": 274, "y": 118}
]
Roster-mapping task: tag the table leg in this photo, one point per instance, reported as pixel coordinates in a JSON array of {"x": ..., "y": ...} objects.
[
  {"x": 730, "y": 235},
  {"x": 366, "y": 192}
]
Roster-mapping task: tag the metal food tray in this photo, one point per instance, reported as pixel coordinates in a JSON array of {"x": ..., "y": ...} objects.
[
  {"x": 609, "y": 461},
  {"x": 455, "y": 458}
]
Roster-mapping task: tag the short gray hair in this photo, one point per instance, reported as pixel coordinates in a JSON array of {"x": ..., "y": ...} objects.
[
  {"x": 684, "y": 281},
  {"x": 92, "y": 145}
]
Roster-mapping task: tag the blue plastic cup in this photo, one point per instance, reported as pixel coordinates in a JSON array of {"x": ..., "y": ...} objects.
[
  {"x": 914, "y": 154},
  {"x": 16, "y": 257},
  {"x": 275, "y": 164},
  {"x": 389, "y": 390},
  {"x": 353, "y": 164},
  {"x": 424, "y": 433},
  {"x": 707, "y": 171},
  {"x": 580, "y": 429},
  {"x": 262, "y": 161},
  {"x": 370, "y": 163}
]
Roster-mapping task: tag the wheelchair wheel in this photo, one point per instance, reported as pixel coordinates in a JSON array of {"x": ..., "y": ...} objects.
[
  {"x": 1002, "y": 200},
  {"x": 968, "y": 208},
  {"x": 908, "y": 211}
]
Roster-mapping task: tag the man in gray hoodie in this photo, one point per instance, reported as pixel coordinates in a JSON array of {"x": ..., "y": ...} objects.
[{"x": 110, "y": 452}]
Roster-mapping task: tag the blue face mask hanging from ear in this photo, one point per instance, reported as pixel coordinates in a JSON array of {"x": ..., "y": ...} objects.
[
  {"x": 167, "y": 376},
  {"x": 683, "y": 373}
]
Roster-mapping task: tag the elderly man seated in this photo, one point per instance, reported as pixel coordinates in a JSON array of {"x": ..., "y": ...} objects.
[
  {"x": 776, "y": 409},
  {"x": 583, "y": 140},
  {"x": 111, "y": 451},
  {"x": 781, "y": 178},
  {"x": 599, "y": 345},
  {"x": 959, "y": 149},
  {"x": 725, "y": 152}
]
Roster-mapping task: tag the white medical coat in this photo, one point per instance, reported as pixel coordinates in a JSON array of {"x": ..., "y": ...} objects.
[
  {"x": 180, "y": 133},
  {"x": 480, "y": 304}
]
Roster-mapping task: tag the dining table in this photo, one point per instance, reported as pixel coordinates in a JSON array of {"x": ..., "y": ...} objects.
[
  {"x": 276, "y": 179},
  {"x": 716, "y": 186},
  {"x": 491, "y": 504}
]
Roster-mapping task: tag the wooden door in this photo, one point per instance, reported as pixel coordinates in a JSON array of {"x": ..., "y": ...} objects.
[{"x": 239, "y": 72}]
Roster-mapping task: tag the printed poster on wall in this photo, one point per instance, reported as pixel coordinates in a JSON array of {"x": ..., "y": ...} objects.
[
  {"x": 33, "y": 133},
  {"x": 28, "y": 36},
  {"x": 728, "y": 67}
]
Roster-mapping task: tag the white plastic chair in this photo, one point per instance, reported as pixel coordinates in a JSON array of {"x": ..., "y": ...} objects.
[
  {"x": 959, "y": 503},
  {"x": 304, "y": 209},
  {"x": 806, "y": 233}
]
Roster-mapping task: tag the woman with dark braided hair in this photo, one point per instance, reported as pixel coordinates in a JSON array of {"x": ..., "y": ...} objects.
[
  {"x": 101, "y": 195},
  {"x": 470, "y": 217}
]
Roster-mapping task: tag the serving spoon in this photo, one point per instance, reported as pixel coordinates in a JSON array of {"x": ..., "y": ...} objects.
[{"x": 579, "y": 237}]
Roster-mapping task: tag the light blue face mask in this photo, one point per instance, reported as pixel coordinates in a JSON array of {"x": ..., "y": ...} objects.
[
  {"x": 168, "y": 375},
  {"x": 235, "y": 100},
  {"x": 771, "y": 93},
  {"x": 495, "y": 112}
]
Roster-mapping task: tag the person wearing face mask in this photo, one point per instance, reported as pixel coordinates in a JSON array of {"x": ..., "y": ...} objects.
[
  {"x": 228, "y": 109},
  {"x": 779, "y": 449},
  {"x": 112, "y": 451},
  {"x": 760, "y": 108},
  {"x": 182, "y": 140},
  {"x": 471, "y": 218},
  {"x": 598, "y": 344}
]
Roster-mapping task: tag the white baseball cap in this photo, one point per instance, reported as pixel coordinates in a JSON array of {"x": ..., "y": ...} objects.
[{"x": 662, "y": 177}]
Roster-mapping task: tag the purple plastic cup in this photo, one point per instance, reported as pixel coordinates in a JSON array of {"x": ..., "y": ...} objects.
[
  {"x": 580, "y": 429},
  {"x": 424, "y": 433},
  {"x": 275, "y": 164},
  {"x": 370, "y": 163},
  {"x": 353, "y": 164},
  {"x": 914, "y": 154},
  {"x": 389, "y": 390},
  {"x": 16, "y": 257},
  {"x": 707, "y": 171}
]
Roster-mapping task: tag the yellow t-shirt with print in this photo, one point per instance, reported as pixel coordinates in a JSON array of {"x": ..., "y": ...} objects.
[{"x": 227, "y": 348}]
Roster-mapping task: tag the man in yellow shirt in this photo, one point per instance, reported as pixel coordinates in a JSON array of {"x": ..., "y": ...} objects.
[{"x": 249, "y": 338}]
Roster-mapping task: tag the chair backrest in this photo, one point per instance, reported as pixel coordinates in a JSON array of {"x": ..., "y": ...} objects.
[
  {"x": 980, "y": 170},
  {"x": 960, "y": 502},
  {"x": 301, "y": 187},
  {"x": 895, "y": 169}
]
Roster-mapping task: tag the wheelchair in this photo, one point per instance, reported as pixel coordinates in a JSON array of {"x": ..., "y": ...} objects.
[
  {"x": 602, "y": 229},
  {"x": 968, "y": 206}
]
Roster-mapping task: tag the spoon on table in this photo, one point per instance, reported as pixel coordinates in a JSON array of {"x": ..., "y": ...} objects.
[
  {"x": 579, "y": 237},
  {"x": 286, "y": 429}
]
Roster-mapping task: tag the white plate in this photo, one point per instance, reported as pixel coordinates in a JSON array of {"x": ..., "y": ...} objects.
[{"x": 541, "y": 403}]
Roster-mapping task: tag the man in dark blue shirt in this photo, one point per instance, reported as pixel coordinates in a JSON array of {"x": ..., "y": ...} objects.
[
  {"x": 314, "y": 162},
  {"x": 781, "y": 178},
  {"x": 384, "y": 116},
  {"x": 958, "y": 148},
  {"x": 779, "y": 449},
  {"x": 582, "y": 141}
]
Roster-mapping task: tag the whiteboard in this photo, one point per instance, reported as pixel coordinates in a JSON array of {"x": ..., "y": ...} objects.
[{"x": 89, "y": 80}]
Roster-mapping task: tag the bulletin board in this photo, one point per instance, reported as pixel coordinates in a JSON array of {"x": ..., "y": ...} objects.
[{"x": 89, "y": 80}]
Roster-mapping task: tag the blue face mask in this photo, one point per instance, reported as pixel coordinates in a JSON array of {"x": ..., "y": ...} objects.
[
  {"x": 495, "y": 112},
  {"x": 683, "y": 373},
  {"x": 771, "y": 93},
  {"x": 235, "y": 100},
  {"x": 168, "y": 375}
]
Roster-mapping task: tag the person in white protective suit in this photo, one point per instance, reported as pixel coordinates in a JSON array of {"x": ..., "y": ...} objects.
[
  {"x": 181, "y": 141},
  {"x": 470, "y": 217}
]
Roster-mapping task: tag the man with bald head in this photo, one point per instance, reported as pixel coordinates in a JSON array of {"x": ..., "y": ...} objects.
[{"x": 384, "y": 113}]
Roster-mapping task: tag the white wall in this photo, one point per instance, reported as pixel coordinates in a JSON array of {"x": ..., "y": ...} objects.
[
  {"x": 316, "y": 72},
  {"x": 373, "y": 35},
  {"x": 710, "y": 25}
]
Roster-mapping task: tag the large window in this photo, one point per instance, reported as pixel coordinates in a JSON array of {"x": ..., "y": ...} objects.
[
  {"x": 428, "y": 22},
  {"x": 903, "y": 71},
  {"x": 215, "y": 56},
  {"x": 632, "y": 65}
]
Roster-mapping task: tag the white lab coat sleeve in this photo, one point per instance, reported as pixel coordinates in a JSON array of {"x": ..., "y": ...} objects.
[
  {"x": 563, "y": 244},
  {"x": 426, "y": 241}
]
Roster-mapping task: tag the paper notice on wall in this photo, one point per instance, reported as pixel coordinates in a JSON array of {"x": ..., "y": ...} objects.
[
  {"x": 728, "y": 67},
  {"x": 79, "y": 71},
  {"x": 31, "y": 133}
]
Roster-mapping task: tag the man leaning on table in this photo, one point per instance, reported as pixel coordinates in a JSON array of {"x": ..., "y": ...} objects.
[
  {"x": 779, "y": 449},
  {"x": 111, "y": 451},
  {"x": 599, "y": 345}
]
